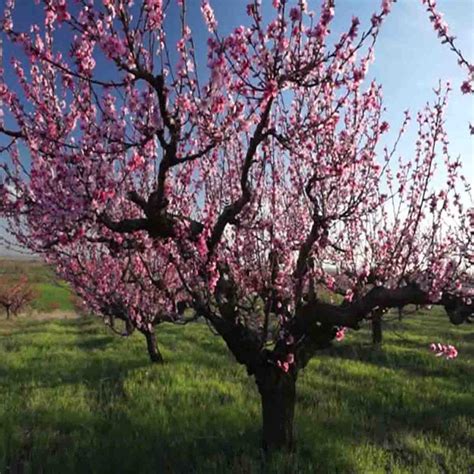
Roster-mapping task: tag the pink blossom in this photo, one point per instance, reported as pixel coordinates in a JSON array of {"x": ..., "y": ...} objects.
[
  {"x": 295, "y": 14},
  {"x": 271, "y": 90},
  {"x": 202, "y": 246},
  {"x": 136, "y": 162},
  {"x": 330, "y": 282},
  {"x": 386, "y": 6},
  {"x": 114, "y": 47},
  {"x": 209, "y": 16},
  {"x": 213, "y": 275},
  {"x": 446, "y": 350},
  {"x": 341, "y": 334},
  {"x": 349, "y": 295},
  {"x": 155, "y": 13},
  {"x": 287, "y": 363},
  {"x": 284, "y": 366}
]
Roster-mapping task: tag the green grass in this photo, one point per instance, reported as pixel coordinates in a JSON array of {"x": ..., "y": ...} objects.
[
  {"x": 34, "y": 269},
  {"x": 51, "y": 296},
  {"x": 74, "y": 398},
  {"x": 51, "y": 293}
]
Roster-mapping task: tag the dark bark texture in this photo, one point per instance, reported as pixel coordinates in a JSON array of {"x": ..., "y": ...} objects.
[
  {"x": 278, "y": 396},
  {"x": 376, "y": 329},
  {"x": 152, "y": 347},
  {"x": 129, "y": 327}
]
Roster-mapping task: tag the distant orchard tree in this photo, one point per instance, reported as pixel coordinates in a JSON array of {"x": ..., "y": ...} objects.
[
  {"x": 15, "y": 295},
  {"x": 112, "y": 289},
  {"x": 236, "y": 185}
]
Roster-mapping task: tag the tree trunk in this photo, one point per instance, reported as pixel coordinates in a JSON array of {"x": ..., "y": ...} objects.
[
  {"x": 152, "y": 346},
  {"x": 400, "y": 313},
  {"x": 277, "y": 392},
  {"x": 8, "y": 312},
  {"x": 129, "y": 328},
  {"x": 376, "y": 329}
]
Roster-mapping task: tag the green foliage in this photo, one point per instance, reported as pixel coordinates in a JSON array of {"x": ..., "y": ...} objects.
[{"x": 75, "y": 398}]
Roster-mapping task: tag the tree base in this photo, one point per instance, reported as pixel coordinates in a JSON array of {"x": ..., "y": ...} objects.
[
  {"x": 278, "y": 395},
  {"x": 152, "y": 347}
]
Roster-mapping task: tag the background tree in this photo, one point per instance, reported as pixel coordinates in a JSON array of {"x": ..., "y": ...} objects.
[
  {"x": 237, "y": 187},
  {"x": 15, "y": 295},
  {"x": 422, "y": 231},
  {"x": 123, "y": 289}
]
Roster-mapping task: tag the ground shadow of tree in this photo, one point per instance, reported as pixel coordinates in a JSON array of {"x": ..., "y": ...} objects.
[{"x": 197, "y": 413}]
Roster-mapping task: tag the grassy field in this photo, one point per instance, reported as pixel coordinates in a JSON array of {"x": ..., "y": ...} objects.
[
  {"x": 75, "y": 398},
  {"x": 52, "y": 294}
]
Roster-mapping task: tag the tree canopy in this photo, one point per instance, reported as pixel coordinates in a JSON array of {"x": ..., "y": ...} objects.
[{"x": 244, "y": 190}]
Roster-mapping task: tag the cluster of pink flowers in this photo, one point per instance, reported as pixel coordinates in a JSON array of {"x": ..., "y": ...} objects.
[
  {"x": 113, "y": 46},
  {"x": 349, "y": 296},
  {"x": 136, "y": 162},
  {"x": 387, "y": 6},
  {"x": 57, "y": 10},
  {"x": 155, "y": 13},
  {"x": 441, "y": 27},
  {"x": 341, "y": 334},
  {"x": 446, "y": 350},
  {"x": 286, "y": 364},
  {"x": 208, "y": 14},
  {"x": 436, "y": 17}
]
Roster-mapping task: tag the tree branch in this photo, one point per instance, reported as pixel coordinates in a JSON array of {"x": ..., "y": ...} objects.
[
  {"x": 350, "y": 315},
  {"x": 231, "y": 211}
]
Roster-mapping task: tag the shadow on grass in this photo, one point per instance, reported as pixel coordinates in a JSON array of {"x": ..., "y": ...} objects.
[
  {"x": 120, "y": 430},
  {"x": 410, "y": 361},
  {"x": 94, "y": 344},
  {"x": 86, "y": 404}
]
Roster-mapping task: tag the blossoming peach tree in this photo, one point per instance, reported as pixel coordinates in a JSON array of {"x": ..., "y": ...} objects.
[
  {"x": 15, "y": 295},
  {"x": 237, "y": 188},
  {"x": 120, "y": 288}
]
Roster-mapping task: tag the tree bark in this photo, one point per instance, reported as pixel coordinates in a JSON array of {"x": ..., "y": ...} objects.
[
  {"x": 129, "y": 328},
  {"x": 278, "y": 395},
  {"x": 376, "y": 329},
  {"x": 152, "y": 346}
]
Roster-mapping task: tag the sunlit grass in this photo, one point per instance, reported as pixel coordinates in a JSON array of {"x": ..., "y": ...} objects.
[
  {"x": 52, "y": 296},
  {"x": 75, "y": 398}
]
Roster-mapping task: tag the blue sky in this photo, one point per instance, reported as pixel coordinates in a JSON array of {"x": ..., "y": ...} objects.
[{"x": 409, "y": 57}]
